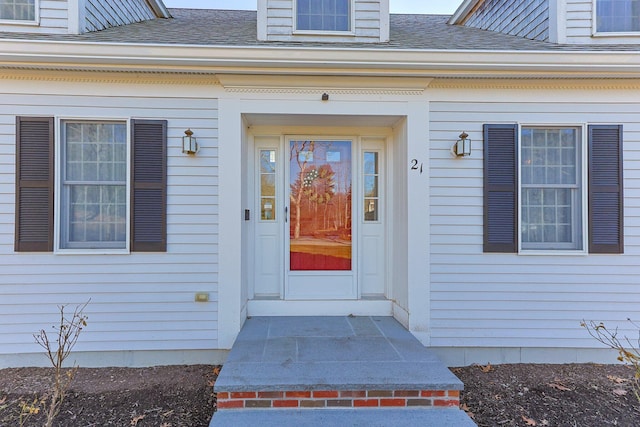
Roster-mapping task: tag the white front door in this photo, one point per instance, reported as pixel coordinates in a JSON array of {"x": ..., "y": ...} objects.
[{"x": 319, "y": 218}]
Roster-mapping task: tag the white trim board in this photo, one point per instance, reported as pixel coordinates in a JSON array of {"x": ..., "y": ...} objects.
[
  {"x": 320, "y": 308},
  {"x": 125, "y": 358},
  {"x": 465, "y": 356}
]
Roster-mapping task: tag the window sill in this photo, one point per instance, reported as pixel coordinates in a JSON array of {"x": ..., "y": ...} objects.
[
  {"x": 92, "y": 252},
  {"x": 600, "y": 35},
  {"x": 324, "y": 33},
  {"x": 549, "y": 252},
  {"x": 19, "y": 23}
]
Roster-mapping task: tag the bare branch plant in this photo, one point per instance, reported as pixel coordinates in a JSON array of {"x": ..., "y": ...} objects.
[
  {"x": 628, "y": 349},
  {"x": 58, "y": 347}
]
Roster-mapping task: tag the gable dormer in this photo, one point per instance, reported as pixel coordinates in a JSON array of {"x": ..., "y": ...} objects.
[
  {"x": 528, "y": 19},
  {"x": 344, "y": 21},
  {"x": 103, "y": 14},
  {"x": 75, "y": 16}
]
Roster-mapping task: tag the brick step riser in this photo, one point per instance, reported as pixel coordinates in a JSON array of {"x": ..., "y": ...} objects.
[{"x": 318, "y": 399}]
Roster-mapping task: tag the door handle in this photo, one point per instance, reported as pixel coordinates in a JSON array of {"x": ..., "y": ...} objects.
[{"x": 286, "y": 214}]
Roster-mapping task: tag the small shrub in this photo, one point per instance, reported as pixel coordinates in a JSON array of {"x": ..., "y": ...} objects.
[
  {"x": 58, "y": 347},
  {"x": 628, "y": 350}
]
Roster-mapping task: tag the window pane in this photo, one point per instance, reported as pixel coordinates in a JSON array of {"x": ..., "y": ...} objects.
[
  {"x": 267, "y": 208},
  {"x": 95, "y": 213},
  {"x": 371, "y": 186},
  {"x": 371, "y": 180},
  {"x": 304, "y": 7},
  {"x": 617, "y": 15},
  {"x": 320, "y": 225},
  {"x": 551, "y": 213},
  {"x": 268, "y": 185},
  {"x": 94, "y": 188},
  {"x": 323, "y": 15},
  {"x": 370, "y": 210},
  {"x": 18, "y": 10},
  {"x": 370, "y": 163},
  {"x": 544, "y": 153}
]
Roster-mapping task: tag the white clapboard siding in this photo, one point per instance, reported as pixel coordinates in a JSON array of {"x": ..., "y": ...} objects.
[
  {"x": 280, "y": 23},
  {"x": 102, "y": 14},
  {"x": 139, "y": 301},
  {"x": 529, "y": 19},
  {"x": 579, "y": 21},
  {"x": 53, "y": 19},
  {"x": 511, "y": 300},
  {"x": 580, "y": 26}
]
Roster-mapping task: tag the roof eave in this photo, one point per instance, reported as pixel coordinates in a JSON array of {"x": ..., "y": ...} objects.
[{"x": 318, "y": 61}]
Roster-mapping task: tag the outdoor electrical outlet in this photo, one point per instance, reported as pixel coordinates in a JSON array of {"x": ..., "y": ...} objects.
[{"x": 202, "y": 297}]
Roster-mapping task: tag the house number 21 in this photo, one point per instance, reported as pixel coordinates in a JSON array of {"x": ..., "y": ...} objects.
[{"x": 416, "y": 166}]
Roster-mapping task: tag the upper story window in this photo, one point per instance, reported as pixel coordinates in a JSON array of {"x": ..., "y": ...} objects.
[
  {"x": 323, "y": 15},
  {"x": 18, "y": 10},
  {"x": 617, "y": 16}
]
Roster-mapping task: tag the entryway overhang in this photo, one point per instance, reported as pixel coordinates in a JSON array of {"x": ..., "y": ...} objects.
[{"x": 395, "y": 108}]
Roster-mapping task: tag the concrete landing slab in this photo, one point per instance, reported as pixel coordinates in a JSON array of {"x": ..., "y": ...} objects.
[
  {"x": 343, "y": 417},
  {"x": 331, "y": 353}
]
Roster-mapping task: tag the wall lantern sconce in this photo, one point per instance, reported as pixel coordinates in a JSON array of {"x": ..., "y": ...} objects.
[
  {"x": 462, "y": 148},
  {"x": 189, "y": 143}
]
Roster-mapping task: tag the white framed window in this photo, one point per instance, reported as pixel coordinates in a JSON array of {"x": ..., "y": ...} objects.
[
  {"x": 552, "y": 188},
  {"x": 19, "y": 10},
  {"x": 371, "y": 182},
  {"x": 323, "y": 15},
  {"x": 93, "y": 203},
  {"x": 268, "y": 184},
  {"x": 617, "y": 16}
]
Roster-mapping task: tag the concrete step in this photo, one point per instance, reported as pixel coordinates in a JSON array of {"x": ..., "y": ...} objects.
[
  {"x": 334, "y": 371},
  {"x": 343, "y": 417},
  {"x": 331, "y": 353}
]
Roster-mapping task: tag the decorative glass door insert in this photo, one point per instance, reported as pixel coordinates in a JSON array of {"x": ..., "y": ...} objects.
[{"x": 320, "y": 199}]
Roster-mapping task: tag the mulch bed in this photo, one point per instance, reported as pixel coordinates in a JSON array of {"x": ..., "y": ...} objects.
[
  {"x": 505, "y": 395},
  {"x": 580, "y": 395},
  {"x": 166, "y": 396}
]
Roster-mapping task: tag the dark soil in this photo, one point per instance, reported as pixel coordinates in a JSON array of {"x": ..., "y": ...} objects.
[
  {"x": 167, "y": 396},
  {"x": 505, "y": 395},
  {"x": 550, "y": 395}
]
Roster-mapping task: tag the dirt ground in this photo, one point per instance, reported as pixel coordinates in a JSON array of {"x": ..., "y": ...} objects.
[
  {"x": 505, "y": 395},
  {"x": 550, "y": 395}
]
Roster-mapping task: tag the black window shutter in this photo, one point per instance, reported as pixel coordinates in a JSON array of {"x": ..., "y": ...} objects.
[
  {"x": 149, "y": 186},
  {"x": 500, "y": 188},
  {"x": 34, "y": 184},
  {"x": 606, "y": 224}
]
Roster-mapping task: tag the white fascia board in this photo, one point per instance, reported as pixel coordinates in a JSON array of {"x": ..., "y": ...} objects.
[
  {"x": 462, "y": 11},
  {"x": 293, "y": 60},
  {"x": 159, "y": 8}
]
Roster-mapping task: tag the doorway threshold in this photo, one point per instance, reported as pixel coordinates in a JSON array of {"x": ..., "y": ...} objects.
[{"x": 368, "y": 307}]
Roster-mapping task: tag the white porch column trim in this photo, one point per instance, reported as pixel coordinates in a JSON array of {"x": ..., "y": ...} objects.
[
  {"x": 76, "y": 15},
  {"x": 558, "y": 21},
  {"x": 262, "y": 20},
  {"x": 418, "y": 239},
  {"x": 230, "y": 225}
]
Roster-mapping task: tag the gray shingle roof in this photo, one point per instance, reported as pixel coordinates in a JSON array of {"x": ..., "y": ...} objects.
[{"x": 238, "y": 28}]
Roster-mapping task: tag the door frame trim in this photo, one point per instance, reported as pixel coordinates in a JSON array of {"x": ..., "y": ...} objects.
[
  {"x": 354, "y": 134},
  {"x": 406, "y": 120}
]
